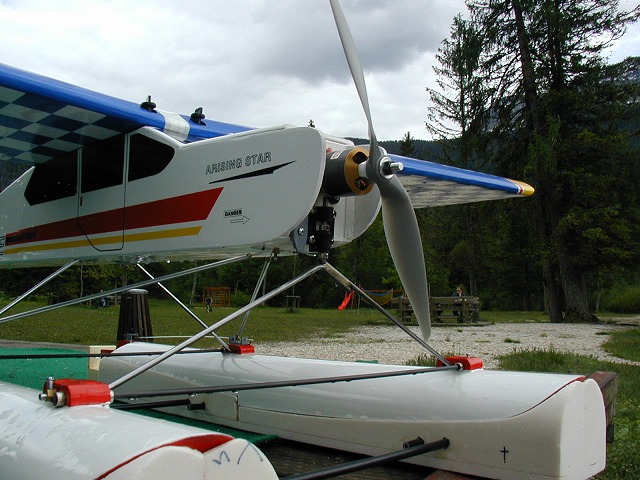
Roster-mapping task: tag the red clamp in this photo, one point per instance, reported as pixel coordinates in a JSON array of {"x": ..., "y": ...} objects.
[
  {"x": 241, "y": 348},
  {"x": 71, "y": 393},
  {"x": 467, "y": 363}
]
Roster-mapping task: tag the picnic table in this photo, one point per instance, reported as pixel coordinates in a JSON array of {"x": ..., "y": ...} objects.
[{"x": 460, "y": 309}]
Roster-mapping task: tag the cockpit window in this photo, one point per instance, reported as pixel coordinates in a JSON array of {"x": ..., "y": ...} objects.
[
  {"x": 103, "y": 164},
  {"x": 147, "y": 157},
  {"x": 53, "y": 180}
]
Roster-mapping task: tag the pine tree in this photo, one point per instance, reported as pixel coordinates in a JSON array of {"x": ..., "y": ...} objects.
[{"x": 549, "y": 111}]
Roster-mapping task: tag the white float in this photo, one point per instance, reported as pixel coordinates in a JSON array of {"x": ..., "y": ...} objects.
[
  {"x": 39, "y": 441},
  {"x": 503, "y": 425}
]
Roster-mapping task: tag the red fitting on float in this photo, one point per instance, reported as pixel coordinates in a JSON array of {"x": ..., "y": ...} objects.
[
  {"x": 467, "y": 363},
  {"x": 241, "y": 349},
  {"x": 71, "y": 393},
  {"x": 240, "y": 345}
]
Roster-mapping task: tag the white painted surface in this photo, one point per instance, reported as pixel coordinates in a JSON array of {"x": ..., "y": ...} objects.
[
  {"x": 506, "y": 425},
  {"x": 90, "y": 442}
]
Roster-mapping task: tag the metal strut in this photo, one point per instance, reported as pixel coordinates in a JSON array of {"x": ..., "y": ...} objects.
[
  {"x": 185, "y": 308},
  {"x": 411, "y": 449},
  {"x": 349, "y": 285},
  {"x": 207, "y": 331},
  {"x": 280, "y": 384},
  {"x": 261, "y": 280},
  {"x": 330, "y": 270},
  {"x": 143, "y": 283},
  {"x": 36, "y": 287}
]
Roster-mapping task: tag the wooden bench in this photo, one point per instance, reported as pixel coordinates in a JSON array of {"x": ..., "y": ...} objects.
[
  {"x": 403, "y": 307},
  {"x": 459, "y": 309}
]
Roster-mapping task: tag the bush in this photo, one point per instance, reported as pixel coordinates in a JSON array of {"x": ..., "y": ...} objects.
[
  {"x": 240, "y": 299},
  {"x": 623, "y": 299}
]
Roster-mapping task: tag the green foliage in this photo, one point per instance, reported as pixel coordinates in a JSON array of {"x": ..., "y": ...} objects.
[
  {"x": 624, "y": 344},
  {"x": 407, "y": 147},
  {"x": 87, "y": 325},
  {"x": 551, "y": 113},
  {"x": 623, "y": 298}
]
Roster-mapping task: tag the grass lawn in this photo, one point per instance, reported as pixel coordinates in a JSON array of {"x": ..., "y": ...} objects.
[
  {"x": 84, "y": 325},
  {"x": 87, "y": 325}
]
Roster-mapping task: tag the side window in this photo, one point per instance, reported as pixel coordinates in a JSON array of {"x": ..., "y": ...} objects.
[
  {"x": 103, "y": 164},
  {"x": 147, "y": 157},
  {"x": 53, "y": 180}
]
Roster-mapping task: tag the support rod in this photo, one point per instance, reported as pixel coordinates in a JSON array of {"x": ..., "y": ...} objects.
[
  {"x": 349, "y": 285},
  {"x": 36, "y": 287},
  {"x": 185, "y": 308},
  {"x": 280, "y": 384},
  {"x": 372, "y": 461},
  {"x": 207, "y": 331},
  {"x": 261, "y": 279},
  {"x": 143, "y": 283},
  {"x": 43, "y": 356},
  {"x": 150, "y": 405}
]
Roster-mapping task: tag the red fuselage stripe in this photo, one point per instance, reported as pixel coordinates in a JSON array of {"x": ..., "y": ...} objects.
[
  {"x": 185, "y": 208},
  {"x": 202, "y": 443}
]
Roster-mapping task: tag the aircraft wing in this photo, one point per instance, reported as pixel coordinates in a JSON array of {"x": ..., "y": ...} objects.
[
  {"x": 41, "y": 118},
  {"x": 433, "y": 184}
]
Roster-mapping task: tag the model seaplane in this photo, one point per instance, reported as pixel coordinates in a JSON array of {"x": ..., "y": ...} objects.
[{"x": 102, "y": 188}]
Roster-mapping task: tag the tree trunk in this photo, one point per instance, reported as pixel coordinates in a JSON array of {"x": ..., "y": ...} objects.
[
  {"x": 575, "y": 291},
  {"x": 551, "y": 296},
  {"x": 551, "y": 292},
  {"x": 528, "y": 72},
  {"x": 542, "y": 200},
  {"x": 193, "y": 288}
]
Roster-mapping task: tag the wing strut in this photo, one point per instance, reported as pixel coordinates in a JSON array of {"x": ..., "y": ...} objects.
[
  {"x": 124, "y": 288},
  {"x": 36, "y": 287},
  {"x": 349, "y": 286},
  {"x": 185, "y": 308},
  {"x": 259, "y": 283},
  {"x": 152, "y": 363}
]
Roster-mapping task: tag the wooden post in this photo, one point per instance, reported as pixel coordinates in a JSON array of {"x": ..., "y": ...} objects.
[{"x": 608, "y": 383}]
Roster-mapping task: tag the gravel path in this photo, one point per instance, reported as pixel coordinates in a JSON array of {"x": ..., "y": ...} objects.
[{"x": 391, "y": 345}]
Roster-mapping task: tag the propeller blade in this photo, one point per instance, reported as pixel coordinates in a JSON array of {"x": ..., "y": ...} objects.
[
  {"x": 405, "y": 244},
  {"x": 353, "y": 60},
  {"x": 399, "y": 218}
]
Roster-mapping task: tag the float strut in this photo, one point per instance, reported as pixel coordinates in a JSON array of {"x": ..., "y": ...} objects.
[{"x": 357, "y": 465}]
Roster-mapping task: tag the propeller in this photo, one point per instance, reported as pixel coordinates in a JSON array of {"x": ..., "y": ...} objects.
[{"x": 398, "y": 216}]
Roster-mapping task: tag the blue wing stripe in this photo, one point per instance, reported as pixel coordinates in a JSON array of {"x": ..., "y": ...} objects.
[
  {"x": 438, "y": 171},
  {"x": 41, "y": 118},
  {"x": 52, "y": 95}
]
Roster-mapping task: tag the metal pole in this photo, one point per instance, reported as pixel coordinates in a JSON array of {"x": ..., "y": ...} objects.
[
  {"x": 239, "y": 387},
  {"x": 349, "y": 285},
  {"x": 207, "y": 331},
  {"x": 261, "y": 279},
  {"x": 369, "y": 462},
  {"x": 185, "y": 308},
  {"x": 43, "y": 282},
  {"x": 143, "y": 283}
]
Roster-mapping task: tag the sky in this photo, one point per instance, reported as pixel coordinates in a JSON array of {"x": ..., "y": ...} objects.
[{"x": 250, "y": 62}]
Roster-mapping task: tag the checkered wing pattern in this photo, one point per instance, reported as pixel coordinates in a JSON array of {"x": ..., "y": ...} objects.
[
  {"x": 432, "y": 185},
  {"x": 41, "y": 118}
]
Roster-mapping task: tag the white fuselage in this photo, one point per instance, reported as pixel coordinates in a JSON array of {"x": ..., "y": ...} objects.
[{"x": 241, "y": 193}]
